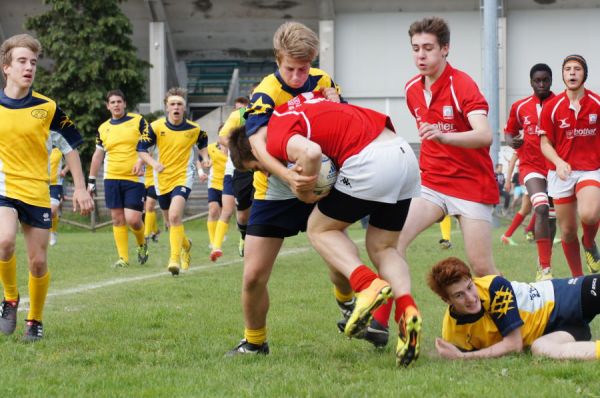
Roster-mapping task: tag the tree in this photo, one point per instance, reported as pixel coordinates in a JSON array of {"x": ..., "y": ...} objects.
[{"x": 91, "y": 50}]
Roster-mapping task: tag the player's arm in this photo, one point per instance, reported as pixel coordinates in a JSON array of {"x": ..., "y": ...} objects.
[
  {"x": 563, "y": 169},
  {"x": 293, "y": 177},
  {"x": 512, "y": 342},
  {"x": 82, "y": 200},
  {"x": 480, "y": 135}
]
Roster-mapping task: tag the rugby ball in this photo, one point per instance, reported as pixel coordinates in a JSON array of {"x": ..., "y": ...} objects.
[{"x": 327, "y": 176}]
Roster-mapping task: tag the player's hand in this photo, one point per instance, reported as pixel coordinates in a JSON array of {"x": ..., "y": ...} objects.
[
  {"x": 82, "y": 202},
  {"x": 563, "y": 169},
  {"x": 91, "y": 186},
  {"x": 299, "y": 183},
  {"x": 330, "y": 94},
  {"x": 158, "y": 167},
  {"x": 447, "y": 350},
  {"x": 430, "y": 132},
  {"x": 517, "y": 142}
]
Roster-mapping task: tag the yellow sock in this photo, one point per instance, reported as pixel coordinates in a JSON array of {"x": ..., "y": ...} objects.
[
  {"x": 186, "y": 242},
  {"x": 176, "y": 236},
  {"x": 212, "y": 227},
  {"x": 256, "y": 336},
  {"x": 220, "y": 233},
  {"x": 597, "y": 349},
  {"x": 139, "y": 235},
  {"x": 149, "y": 223},
  {"x": 342, "y": 297},
  {"x": 446, "y": 227},
  {"x": 121, "y": 240},
  {"x": 38, "y": 290},
  {"x": 54, "y": 223},
  {"x": 8, "y": 276}
]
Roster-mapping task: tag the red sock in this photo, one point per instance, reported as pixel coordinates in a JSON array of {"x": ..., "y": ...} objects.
[
  {"x": 382, "y": 314},
  {"x": 573, "y": 257},
  {"x": 544, "y": 247},
  {"x": 402, "y": 303},
  {"x": 361, "y": 278},
  {"x": 514, "y": 225},
  {"x": 589, "y": 234},
  {"x": 531, "y": 225}
]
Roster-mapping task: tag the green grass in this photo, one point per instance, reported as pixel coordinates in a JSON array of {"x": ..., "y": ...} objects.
[{"x": 159, "y": 336}]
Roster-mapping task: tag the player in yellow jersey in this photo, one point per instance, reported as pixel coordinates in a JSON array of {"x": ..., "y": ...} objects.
[
  {"x": 215, "y": 188},
  {"x": 151, "y": 230},
  {"x": 124, "y": 189},
  {"x": 489, "y": 316},
  {"x": 174, "y": 142},
  {"x": 276, "y": 213},
  {"x": 240, "y": 181},
  {"x": 57, "y": 174},
  {"x": 31, "y": 125}
]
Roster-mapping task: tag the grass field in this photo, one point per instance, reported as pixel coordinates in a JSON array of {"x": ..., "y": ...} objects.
[{"x": 139, "y": 332}]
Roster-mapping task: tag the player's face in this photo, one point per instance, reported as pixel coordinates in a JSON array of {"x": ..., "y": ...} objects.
[
  {"x": 429, "y": 56},
  {"x": 175, "y": 109},
  {"x": 21, "y": 70},
  {"x": 573, "y": 75},
  {"x": 116, "y": 106},
  {"x": 294, "y": 72},
  {"x": 541, "y": 81},
  {"x": 463, "y": 297}
]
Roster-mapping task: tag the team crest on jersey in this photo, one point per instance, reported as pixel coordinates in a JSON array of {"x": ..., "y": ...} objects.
[
  {"x": 502, "y": 302},
  {"x": 448, "y": 112},
  {"x": 593, "y": 118},
  {"x": 39, "y": 113}
]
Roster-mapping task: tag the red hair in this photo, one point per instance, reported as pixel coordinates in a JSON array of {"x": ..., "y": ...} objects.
[{"x": 445, "y": 273}]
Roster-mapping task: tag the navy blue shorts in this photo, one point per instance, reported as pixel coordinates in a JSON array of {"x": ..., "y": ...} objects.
[
  {"x": 164, "y": 201},
  {"x": 214, "y": 195},
  {"x": 123, "y": 194},
  {"x": 228, "y": 185},
  {"x": 56, "y": 193},
  {"x": 151, "y": 192},
  {"x": 37, "y": 217},
  {"x": 278, "y": 218}
]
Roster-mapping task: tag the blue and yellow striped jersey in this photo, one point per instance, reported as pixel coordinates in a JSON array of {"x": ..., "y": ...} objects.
[
  {"x": 175, "y": 148},
  {"x": 217, "y": 170},
  {"x": 118, "y": 139},
  {"x": 505, "y": 307},
  {"x": 30, "y": 127},
  {"x": 56, "y": 165},
  {"x": 270, "y": 93}
]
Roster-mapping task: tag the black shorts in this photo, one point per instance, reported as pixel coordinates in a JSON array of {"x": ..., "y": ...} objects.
[
  {"x": 346, "y": 208},
  {"x": 243, "y": 190},
  {"x": 35, "y": 216}
]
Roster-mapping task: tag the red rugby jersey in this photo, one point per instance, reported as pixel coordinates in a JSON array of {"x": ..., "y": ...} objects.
[
  {"x": 342, "y": 130},
  {"x": 575, "y": 135},
  {"x": 460, "y": 172},
  {"x": 524, "y": 116}
]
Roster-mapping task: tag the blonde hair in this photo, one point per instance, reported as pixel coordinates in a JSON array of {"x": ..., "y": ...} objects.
[
  {"x": 297, "y": 41},
  {"x": 176, "y": 91},
  {"x": 22, "y": 40}
]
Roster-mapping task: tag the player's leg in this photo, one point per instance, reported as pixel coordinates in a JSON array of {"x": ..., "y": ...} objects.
[
  {"x": 536, "y": 186},
  {"x": 8, "y": 268},
  {"x": 36, "y": 242},
  {"x": 588, "y": 209}
]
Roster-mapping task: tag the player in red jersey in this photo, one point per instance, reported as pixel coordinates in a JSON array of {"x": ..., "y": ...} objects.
[
  {"x": 521, "y": 133},
  {"x": 570, "y": 140},
  {"x": 457, "y": 175},
  {"x": 378, "y": 176}
]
